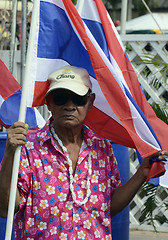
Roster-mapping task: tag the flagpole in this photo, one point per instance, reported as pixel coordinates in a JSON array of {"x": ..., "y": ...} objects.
[
  {"x": 13, "y": 33},
  {"x": 22, "y": 115},
  {"x": 123, "y": 16},
  {"x": 23, "y": 39}
]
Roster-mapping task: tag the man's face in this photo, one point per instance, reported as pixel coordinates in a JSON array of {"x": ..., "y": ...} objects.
[{"x": 68, "y": 109}]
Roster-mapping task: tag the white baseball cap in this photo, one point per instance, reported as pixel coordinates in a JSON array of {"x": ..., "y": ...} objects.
[{"x": 71, "y": 78}]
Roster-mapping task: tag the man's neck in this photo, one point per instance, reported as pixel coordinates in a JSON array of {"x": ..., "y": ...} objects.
[{"x": 70, "y": 135}]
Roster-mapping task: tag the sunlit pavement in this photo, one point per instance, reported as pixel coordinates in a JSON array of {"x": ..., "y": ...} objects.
[{"x": 146, "y": 235}]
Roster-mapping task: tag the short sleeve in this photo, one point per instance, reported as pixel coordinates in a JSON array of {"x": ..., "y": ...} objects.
[
  {"x": 115, "y": 174},
  {"x": 115, "y": 178}
]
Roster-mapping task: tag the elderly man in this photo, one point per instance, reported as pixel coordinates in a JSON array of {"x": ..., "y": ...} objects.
[{"x": 68, "y": 183}]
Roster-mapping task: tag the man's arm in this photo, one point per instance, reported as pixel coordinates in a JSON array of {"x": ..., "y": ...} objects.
[
  {"x": 122, "y": 195},
  {"x": 16, "y": 136}
]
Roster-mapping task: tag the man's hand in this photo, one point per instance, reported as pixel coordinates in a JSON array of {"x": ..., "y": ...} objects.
[
  {"x": 145, "y": 165},
  {"x": 122, "y": 195},
  {"x": 16, "y": 136}
]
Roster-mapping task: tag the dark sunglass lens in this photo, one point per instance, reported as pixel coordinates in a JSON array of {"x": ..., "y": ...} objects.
[
  {"x": 79, "y": 100},
  {"x": 60, "y": 99}
]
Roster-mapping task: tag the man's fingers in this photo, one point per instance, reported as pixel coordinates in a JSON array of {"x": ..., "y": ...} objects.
[
  {"x": 17, "y": 134},
  {"x": 163, "y": 154},
  {"x": 18, "y": 127},
  {"x": 154, "y": 155},
  {"x": 21, "y": 125},
  {"x": 17, "y": 138}
]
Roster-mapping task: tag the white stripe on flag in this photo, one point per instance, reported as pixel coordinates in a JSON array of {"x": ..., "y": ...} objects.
[
  {"x": 1, "y": 101},
  {"x": 39, "y": 119},
  {"x": 142, "y": 129},
  {"x": 163, "y": 179},
  {"x": 88, "y": 10}
]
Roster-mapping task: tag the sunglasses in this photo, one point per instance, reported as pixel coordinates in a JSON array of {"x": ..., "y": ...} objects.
[{"x": 61, "y": 98}]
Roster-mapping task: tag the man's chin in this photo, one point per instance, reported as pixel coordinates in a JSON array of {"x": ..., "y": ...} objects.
[{"x": 70, "y": 123}]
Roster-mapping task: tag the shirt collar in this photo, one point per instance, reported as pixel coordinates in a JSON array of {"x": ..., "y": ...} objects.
[{"x": 44, "y": 133}]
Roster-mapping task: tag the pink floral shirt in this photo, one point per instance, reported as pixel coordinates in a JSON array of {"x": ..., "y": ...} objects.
[{"x": 47, "y": 210}]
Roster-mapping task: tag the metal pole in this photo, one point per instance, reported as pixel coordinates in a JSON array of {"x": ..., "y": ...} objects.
[
  {"x": 150, "y": 12},
  {"x": 123, "y": 16},
  {"x": 129, "y": 10},
  {"x": 22, "y": 115},
  {"x": 23, "y": 39},
  {"x": 13, "y": 32}
]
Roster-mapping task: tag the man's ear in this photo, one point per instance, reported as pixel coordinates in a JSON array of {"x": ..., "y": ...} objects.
[{"x": 91, "y": 101}]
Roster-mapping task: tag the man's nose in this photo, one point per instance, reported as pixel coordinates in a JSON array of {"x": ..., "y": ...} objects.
[{"x": 70, "y": 105}]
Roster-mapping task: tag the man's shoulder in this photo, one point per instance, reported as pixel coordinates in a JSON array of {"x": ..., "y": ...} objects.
[{"x": 94, "y": 137}]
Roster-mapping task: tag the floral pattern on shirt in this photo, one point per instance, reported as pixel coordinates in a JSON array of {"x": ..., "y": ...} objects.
[{"x": 47, "y": 209}]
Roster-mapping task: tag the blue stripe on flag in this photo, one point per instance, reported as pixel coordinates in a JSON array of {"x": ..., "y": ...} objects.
[
  {"x": 97, "y": 31},
  {"x": 56, "y": 34},
  {"x": 31, "y": 118},
  {"x": 9, "y": 112}
]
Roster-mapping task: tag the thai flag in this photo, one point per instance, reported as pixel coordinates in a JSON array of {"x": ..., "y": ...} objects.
[
  {"x": 63, "y": 38},
  {"x": 10, "y": 96}
]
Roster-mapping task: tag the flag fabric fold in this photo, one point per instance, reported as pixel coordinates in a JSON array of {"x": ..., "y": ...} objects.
[
  {"x": 121, "y": 112},
  {"x": 10, "y": 96}
]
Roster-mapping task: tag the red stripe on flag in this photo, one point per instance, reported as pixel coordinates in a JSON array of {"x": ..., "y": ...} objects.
[
  {"x": 161, "y": 131},
  {"x": 8, "y": 84},
  {"x": 40, "y": 89},
  {"x": 3, "y": 124},
  {"x": 103, "y": 125}
]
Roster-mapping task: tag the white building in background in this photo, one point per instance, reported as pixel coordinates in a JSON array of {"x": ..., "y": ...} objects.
[{"x": 156, "y": 21}]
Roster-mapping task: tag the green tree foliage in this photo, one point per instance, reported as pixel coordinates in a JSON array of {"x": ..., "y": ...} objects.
[
  {"x": 74, "y": 1},
  {"x": 141, "y": 9},
  {"x": 137, "y": 5}
]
